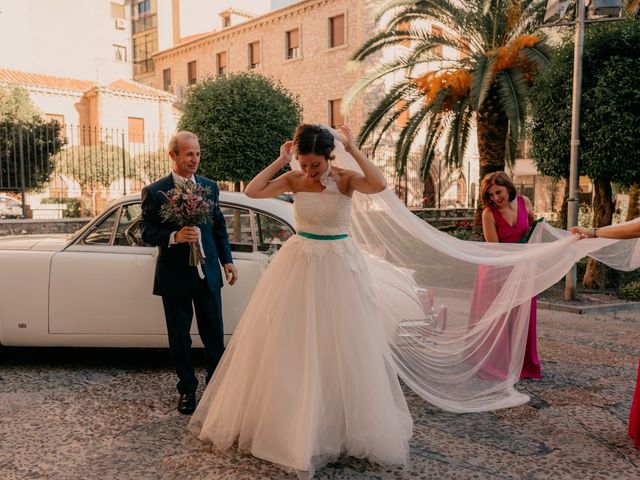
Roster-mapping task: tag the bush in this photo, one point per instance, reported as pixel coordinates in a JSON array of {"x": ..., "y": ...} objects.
[
  {"x": 73, "y": 205},
  {"x": 241, "y": 121},
  {"x": 630, "y": 291}
]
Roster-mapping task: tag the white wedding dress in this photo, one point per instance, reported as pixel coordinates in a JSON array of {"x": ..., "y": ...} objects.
[{"x": 308, "y": 374}]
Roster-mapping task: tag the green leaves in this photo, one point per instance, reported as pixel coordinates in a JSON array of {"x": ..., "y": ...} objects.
[
  {"x": 477, "y": 36},
  {"x": 610, "y": 106},
  {"x": 241, "y": 121}
]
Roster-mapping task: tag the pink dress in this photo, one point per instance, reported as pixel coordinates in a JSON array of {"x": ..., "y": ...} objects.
[{"x": 484, "y": 285}]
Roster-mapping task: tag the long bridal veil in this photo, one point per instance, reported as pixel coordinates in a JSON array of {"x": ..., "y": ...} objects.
[{"x": 456, "y": 312}]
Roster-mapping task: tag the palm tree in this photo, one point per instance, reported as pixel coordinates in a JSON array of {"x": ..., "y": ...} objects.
[{"x": 484, "y": 83}]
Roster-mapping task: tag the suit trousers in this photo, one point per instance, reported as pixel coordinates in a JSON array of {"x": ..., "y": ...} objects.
[{"x": 178, "y": 313}]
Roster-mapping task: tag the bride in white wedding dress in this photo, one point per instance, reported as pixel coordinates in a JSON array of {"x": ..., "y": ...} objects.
[
  {"x": 308, "y": 374},
  {"x": 366, "y": 292}
]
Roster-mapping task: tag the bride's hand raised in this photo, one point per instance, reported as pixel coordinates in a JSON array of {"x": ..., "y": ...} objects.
[
  {"x": 347, "y": 137},
  {"x": 286, "y": 153}
]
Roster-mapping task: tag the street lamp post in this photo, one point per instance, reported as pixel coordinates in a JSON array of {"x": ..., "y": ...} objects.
[
  {"x": 572, "y": 204},
  {"x": 556, "y": 10}
]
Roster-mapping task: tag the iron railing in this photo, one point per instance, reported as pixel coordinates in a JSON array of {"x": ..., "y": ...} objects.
[
  {"x": 69, "y": 171},
  {"x": 62, "y": 171}
]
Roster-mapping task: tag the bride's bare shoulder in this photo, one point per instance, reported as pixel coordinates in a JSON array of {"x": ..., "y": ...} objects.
[
  {"x": 341, "y": 172},
  {"x": 294, "y": 176}
]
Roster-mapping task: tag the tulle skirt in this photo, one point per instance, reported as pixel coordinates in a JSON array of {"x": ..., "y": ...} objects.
[{"x": 308, "y": 375}]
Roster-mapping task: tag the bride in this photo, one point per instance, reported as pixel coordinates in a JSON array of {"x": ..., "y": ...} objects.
[
  {"x": 366, "y": 292},
  {"x": 308, "y": 374}
]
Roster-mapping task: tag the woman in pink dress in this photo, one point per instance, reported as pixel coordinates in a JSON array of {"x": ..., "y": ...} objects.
[{"x": 506, "y": 218}]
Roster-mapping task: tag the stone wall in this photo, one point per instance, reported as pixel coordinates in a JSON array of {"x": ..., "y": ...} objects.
[
  {"x": 437, "y": 217},
  {"x": 30, "y": 226}
]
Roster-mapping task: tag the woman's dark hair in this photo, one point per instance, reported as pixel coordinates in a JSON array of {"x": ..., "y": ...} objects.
[
  {"x": 310, "y": 138},
  {"x": 496, "y": 178}
]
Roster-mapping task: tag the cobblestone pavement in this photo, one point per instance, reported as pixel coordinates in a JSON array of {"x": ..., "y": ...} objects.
[{"x": 110, "y": 414}]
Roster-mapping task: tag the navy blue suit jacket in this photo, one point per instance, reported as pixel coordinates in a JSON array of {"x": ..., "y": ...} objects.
[{"x": 174, "y": 276}]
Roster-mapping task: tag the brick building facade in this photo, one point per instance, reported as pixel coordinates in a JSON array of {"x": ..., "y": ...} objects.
[{"x": 306, "y": 46}]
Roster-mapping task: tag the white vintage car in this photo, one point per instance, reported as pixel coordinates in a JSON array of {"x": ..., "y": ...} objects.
[{"x": 93, "y": 289}]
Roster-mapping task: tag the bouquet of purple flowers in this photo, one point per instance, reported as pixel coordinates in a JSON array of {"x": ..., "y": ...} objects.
[{"x": 187, "y": 205}]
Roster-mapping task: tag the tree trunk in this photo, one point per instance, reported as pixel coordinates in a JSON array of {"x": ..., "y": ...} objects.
[
  {"x": 492, "y": 126},
  {"x": 596, "y": 275},
  {"x": 563, "y": 214},
  {"x": 634, "y": 195},
  {"x": 428, "y": 193}
]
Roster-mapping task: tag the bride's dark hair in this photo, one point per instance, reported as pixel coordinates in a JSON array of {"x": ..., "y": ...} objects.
[{"x": 309, "y": 138}]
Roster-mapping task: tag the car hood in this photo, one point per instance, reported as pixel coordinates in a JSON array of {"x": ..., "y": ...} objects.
[{"x": 52, "y": 242}]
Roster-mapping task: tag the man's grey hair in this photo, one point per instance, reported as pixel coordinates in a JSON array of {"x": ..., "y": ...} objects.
[{"x": 175, "y": 139}]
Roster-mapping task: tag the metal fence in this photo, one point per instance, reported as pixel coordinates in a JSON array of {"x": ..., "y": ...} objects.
[
  {"x": 443, "y": 188},
  {"x": 59, "y": 171}
]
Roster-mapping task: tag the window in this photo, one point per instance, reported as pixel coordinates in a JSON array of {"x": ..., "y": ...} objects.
[
  {"x": 141, "y": 7},
  {"x": 336, "y": 31},
  {"x": 437, "y": 32},
  {"x": 221, "y": 63},
  {"x": 144, "y": 46},
  {"x": 335, "y": 116},
  {"x": 166, "y": 80},
  {"x": 254, "y": 55},
  {"x": 292, "y": 42},
  {"x": 226, "y": 20},
  {"x": 192, "y": 76},
  {"x": 272, "y": 233},
  {"x": 129, "y": 233},
  {"x": 238, "y": 222},
  {"x": 144, "y": 23},
  {"x": 120, "y": 53},
  {"x": 404, "y": 27},
  {"x": 102, "y": 232},
  {"x": 136, "y": 130},
  {"x": 526, "y": 185},
  {"x": 403, "y": 118}
]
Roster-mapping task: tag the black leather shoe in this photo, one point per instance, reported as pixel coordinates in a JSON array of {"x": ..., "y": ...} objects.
[{"x": 187, "y": 403}]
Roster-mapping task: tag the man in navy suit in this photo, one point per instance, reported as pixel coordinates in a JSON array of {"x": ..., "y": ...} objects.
[{"x": 180, "y": 284}]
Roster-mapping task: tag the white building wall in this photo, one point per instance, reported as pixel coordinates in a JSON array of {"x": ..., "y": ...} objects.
[
  {"x": 57, "y": 103},
  {"x": 72, "y": 38},
  {"x": 115, "y": 110}
]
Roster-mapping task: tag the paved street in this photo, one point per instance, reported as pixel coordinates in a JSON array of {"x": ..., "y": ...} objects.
[{"x": 109, "y": 414}]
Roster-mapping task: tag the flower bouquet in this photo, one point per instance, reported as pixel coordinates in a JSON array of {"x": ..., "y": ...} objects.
[{"x": 187, "y": 205}]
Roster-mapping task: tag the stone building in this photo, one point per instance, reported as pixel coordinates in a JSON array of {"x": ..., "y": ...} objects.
[
  {"x": 306, "y": 46},
  {"x": 122, "y": 105},
  {"x": 161, "y": 24}
]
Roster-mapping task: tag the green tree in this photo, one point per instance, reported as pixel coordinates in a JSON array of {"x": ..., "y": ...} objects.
[
  {"x": 610, "y": 117},
  {"x": 27, "y": 143},
  {"x": 16, "y": 105},
  {"x": 95, "y": 168},
  {"x": 241, "y": 120},
  {"x": 485, "y": 82}
]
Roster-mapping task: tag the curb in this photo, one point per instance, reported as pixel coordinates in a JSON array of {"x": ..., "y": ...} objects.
[{"x": 585, "y": 309}]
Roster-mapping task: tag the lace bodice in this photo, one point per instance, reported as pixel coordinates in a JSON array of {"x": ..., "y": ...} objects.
[{"x": 322, "y": 213}]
